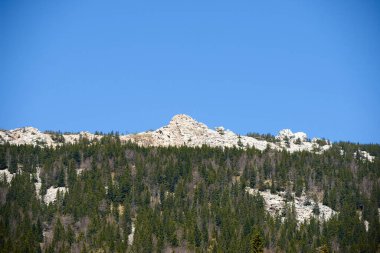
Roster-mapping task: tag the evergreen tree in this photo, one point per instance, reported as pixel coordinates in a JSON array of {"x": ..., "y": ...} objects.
[{"x": 256, "y": 243}]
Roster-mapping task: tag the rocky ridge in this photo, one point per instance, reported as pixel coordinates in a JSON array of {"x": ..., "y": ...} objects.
[
  {"x": 185, "y": 131},
  {"x": 182, "y": 130}
]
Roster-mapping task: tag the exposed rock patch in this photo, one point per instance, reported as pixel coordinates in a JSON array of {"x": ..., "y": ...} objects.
[
  {"x": 6, "y": 175},
  {"x": 364, "y": 155},
  {"x": 132, "y": 234},
  {"x": 51, "y": 194},
  {"x": 275, "y": 204}
]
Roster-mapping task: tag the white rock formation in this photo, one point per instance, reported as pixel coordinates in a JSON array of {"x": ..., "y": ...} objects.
[
  {"x": 299, "y": 142},
  {"x": 184, "y": 130},
  {"x": 292, "y": 137},
  {"x": 276, "y": 204},
  {"x": 132, "y": 234},
  {"x": 366, "y": 223},
  {"x": 7, "y": 175},
  {"x": 26, "y": 135},
  {"x": 364, "y": 155},
  {"x": 51, "y": 194},
  {"x": 32, "y": 136},
  {"x": 38, "y": 184},
  {"x": 181, "y": 130},
  {"x": 72, "y": 138}
]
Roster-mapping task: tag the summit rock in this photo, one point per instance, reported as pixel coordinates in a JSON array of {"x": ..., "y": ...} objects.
[{"x": 183, "y": 130}]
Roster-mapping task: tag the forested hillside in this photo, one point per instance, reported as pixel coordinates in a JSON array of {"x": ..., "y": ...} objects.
[{"x": 121, "y": 197}]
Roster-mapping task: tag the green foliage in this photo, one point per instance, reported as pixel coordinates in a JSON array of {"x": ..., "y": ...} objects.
[
  {"x": 239, "y": 143},
  {"x": 316, "y": 209},
  {"x": 266, "y": 137},
  {"x": 256, "y": 243},
  {"x": 189, "y": 199}
]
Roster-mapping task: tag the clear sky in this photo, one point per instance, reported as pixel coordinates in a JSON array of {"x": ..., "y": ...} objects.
[{"x": 261, "y": 66}]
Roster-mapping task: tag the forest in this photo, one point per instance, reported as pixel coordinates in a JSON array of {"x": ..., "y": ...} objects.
[{"x": 181, "y": 199}]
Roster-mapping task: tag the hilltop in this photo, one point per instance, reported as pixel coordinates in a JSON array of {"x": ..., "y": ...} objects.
[{"x": 182, "y": 130}]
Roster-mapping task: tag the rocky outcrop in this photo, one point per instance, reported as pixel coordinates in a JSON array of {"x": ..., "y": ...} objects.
[
  {"x": 32, "y": 136},
  {"x": 305, "y": 208},
  {"x": 364, "y": 155},
  {"x": 299, "y": 142},
  {"x": 26, "y": 135},
  {"x": 183, "y": 130},
  {"x": 6, "y": 175},
  {"x": 51, "y": 194},
  {"x": 132, "y": 234}
]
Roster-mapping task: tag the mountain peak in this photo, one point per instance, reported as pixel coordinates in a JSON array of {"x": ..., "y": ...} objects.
[{"x": 180, "y": 119}]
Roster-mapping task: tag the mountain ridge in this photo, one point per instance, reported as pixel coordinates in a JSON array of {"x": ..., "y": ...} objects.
[{"x": 182, "y": 130}]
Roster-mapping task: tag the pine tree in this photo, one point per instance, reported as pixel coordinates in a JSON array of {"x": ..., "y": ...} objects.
[
  {"x": 252, "y": 179},
  {"x": 323, "y": 249},
  {"x": 197, "y": 236},
  {"x": 316, "y": 209},
  {"x": 61, "y": 178},
  {"x": 256, "y": 243},
  {"x": 239, "y": 143}
]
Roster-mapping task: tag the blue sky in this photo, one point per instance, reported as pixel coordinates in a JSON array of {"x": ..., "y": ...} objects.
[{"x": 261, "y": 66}]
